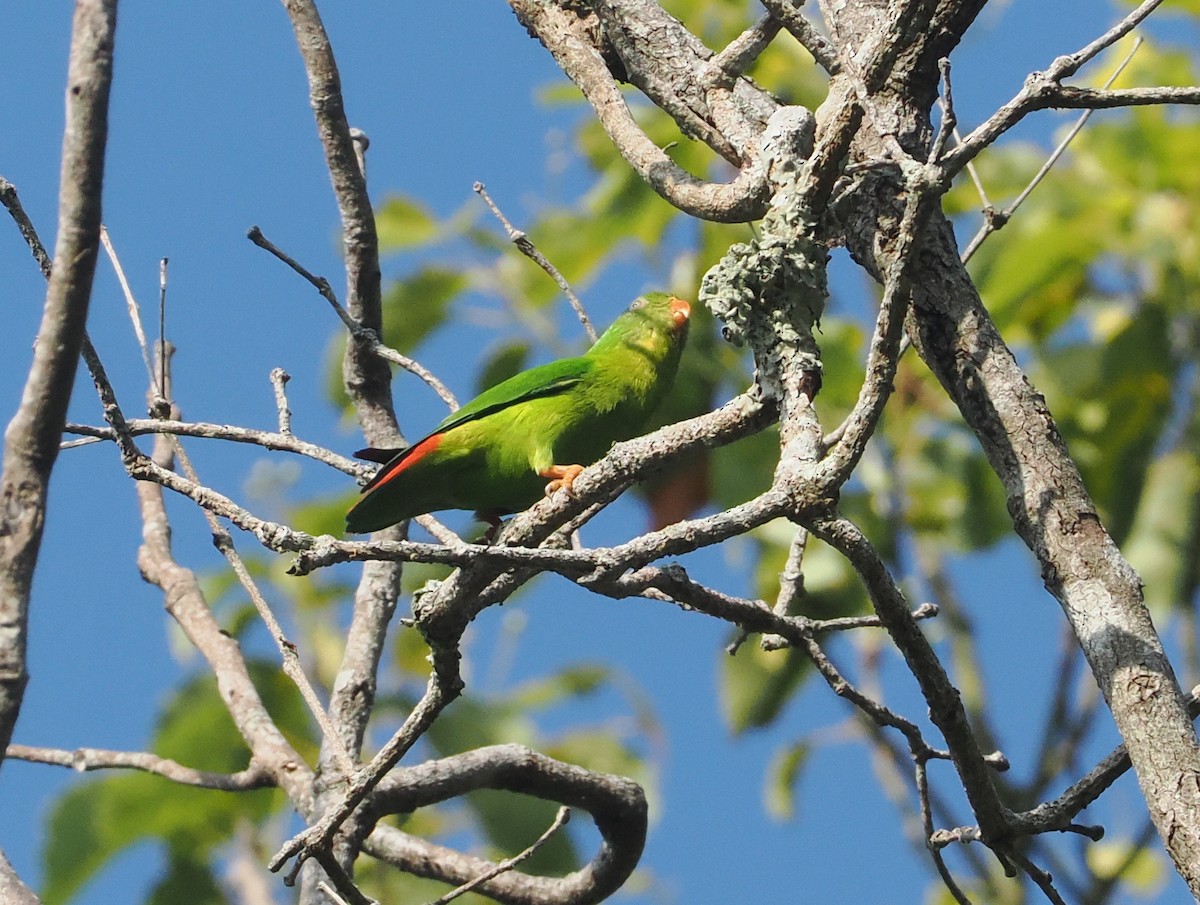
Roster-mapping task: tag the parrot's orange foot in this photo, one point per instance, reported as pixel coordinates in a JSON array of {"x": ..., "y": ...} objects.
[{"x": 563, "y": 475}]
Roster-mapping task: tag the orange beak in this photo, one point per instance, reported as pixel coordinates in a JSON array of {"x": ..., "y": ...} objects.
[{"x": 680, "y": 311}]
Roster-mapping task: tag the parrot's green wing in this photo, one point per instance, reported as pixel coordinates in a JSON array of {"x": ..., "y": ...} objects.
[
  {"x": 544, "y": 380},
  {"x": 549, "y": 379}
]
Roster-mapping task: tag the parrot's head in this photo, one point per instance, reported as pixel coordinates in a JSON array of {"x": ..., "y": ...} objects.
[
  {"x": 657, "y": 312},
  {"x": 655, "y": 325}
]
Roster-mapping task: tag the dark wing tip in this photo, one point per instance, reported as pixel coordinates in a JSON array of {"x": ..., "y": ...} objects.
[{"x": 378, "y": 454}]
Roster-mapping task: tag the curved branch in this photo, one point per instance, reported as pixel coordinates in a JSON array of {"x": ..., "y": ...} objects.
[
  {"x": 703, "y": 92},
  {"x": 565, "y": 36},
  {"x": 617, "y": 805}
]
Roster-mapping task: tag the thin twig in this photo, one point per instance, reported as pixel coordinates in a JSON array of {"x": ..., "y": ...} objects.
[
  {"x": 520, "y": 239},
  {"x": 949, "y": 122},
  {"x": 994, "y": 221},
  {"x": 1066, "y": 66},
  {"x": 12, "y": 202},
  {"x": 1044, "y": 89},
  {"x": 287, "y": 650},
  {"x": 223, "y": 541},
  {"x": 158, "y": 395},
  {"x": 266, "y": 439},
  {"x": 165, "y": 409},
  {"x": 279, "y": 379},
  {"x": 945, "y": 704},
  {"x": 326, "y": 887},
  {"x": 921, "y": 773},
  {"x": 361, "y": 144},
  {"x": 791, "y": 585},
  {"x": 884, "y": 354},
  {"x": 1041, "y": 878},
  {"x": 361, "y": 334},
  {"x": 316, "y": 838},
  {"x": 973, "y": 172},
  {"x": 340, "y": 876},
  {"x": 560, "y": 820},
  {"x": 84, "y": 760}
]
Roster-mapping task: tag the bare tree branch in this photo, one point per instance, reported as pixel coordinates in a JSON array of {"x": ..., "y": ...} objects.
[
  {"x": 994, "y": 220},
  {"x": 279, "y": 442},
  {"x": 1066, "y": 66},
  {"x": 87, "y": 759},
  {"x": 32, "y": 438},
  {"x": 1044, "y": 90},
  {"x": 368, "y": 379},
  {"x": 366, "y": 337},
  {"x": 367, "y": 382},
  {"x": 1051, "y": 509},
  {"x": 566, "y": 37},
  {"x": 520, "y": 239},
  {"x": 560, "y": 820},
  {"x": 946, "y": 709},
  {"x": 12, "y": 890},
  {"x": 185, "y": 602},
  {"x": 803, "y": 31}
]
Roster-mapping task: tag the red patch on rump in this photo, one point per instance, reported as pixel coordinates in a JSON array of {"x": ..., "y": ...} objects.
[{"x": 412, "y": 457}]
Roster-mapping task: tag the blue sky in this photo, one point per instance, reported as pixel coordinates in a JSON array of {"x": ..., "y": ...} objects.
[{"x": 211, "y": 133}]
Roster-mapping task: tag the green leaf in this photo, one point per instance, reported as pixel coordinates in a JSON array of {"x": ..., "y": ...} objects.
[
  {"x": 502, "y": 363},
  {"x": 404, "y": 223},
  {"x": 96, "y": 821},
  {"x": 324, "y": 515},
  {"x": 573, "y": 682},
  {"x": 603, "y": 749},
  {"x": 1112, "y": 396},
  {"x": 1138, "y": 867},
  {"x": 950, "y": 491},
  {"x": 1164, "y": 542},
  {"x": 783, "y": 773},
  {"x": 418, "y": 304},
  {"x": 755, "y": 684},
  {"x": 186, "y": 881},
  {"x": 742, "y": 470}
]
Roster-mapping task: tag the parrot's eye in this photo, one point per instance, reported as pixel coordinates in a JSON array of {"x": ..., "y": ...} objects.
[{"x": 639, "y": 304}]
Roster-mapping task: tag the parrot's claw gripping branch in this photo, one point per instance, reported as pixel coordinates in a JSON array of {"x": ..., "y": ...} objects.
[{"x": 563, "y": 478}]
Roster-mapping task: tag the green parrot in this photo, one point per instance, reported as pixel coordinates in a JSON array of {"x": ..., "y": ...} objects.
[{"x": 496, "y": 453}]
